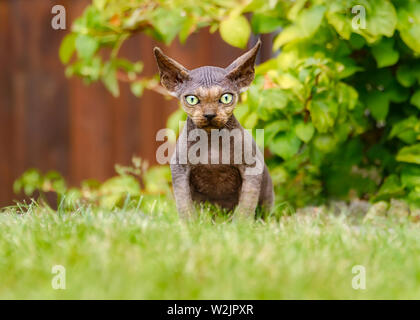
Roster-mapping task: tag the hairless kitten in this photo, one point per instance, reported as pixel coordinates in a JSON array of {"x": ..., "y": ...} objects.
[{"x": 209, "y": 95}]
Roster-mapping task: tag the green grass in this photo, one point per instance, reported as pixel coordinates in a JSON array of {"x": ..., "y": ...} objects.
[{"x": 149, "y": 254}]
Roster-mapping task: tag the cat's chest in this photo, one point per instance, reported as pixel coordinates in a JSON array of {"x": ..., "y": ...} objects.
[
  {"x": 217, "y": 181},
  {"x": 227, "y": 151}
]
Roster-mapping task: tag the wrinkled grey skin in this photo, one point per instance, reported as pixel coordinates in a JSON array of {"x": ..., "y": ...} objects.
[{"x": 229, "y": 186}]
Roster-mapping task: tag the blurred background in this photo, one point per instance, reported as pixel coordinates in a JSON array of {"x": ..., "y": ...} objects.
[
  {"x": 339, "y": 104},
  {"x": 50, "y": 122}
]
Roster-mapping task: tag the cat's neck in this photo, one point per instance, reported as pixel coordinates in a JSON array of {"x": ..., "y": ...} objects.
[{"x": 231, "y": 124}]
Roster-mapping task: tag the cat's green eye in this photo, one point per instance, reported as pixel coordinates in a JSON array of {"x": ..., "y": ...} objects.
[
  {"x": 226, "y": 98},
  {"x": 192, "y": 100}
]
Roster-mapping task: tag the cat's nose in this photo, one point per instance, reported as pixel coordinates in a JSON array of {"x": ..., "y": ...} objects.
[{"x": 209, "y": 116}]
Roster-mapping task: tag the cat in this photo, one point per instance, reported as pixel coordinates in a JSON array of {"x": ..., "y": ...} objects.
[{"x": 209, "y": 95}]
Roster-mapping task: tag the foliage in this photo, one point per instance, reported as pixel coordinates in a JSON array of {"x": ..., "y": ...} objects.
[
  {"x": 98, "y": 35},
  {"x": 129, "y": 187},
  {"x": 340, "y": 104}
]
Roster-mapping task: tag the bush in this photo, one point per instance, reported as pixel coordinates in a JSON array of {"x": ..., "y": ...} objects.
[
  {"x": 340, "y": 104},
  {"x": 126, "y": 190}
]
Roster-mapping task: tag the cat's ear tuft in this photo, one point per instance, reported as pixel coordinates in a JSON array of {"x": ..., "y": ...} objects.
[
  {"x": 172, "y": 73},
  {"x": 242, "y": 71}
]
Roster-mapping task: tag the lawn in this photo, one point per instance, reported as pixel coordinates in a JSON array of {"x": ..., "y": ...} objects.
[{"x": 149, "y": 254}]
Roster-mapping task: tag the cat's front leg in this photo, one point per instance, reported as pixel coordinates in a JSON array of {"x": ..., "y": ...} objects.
[
  {"x": 180, "y": 180},
  {"x": 249, "y": 196}
]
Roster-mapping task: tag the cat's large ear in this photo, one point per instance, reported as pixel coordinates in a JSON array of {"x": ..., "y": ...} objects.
[
  {"x": 172, "y": 73},
  {"x": 241, "y": 71}
]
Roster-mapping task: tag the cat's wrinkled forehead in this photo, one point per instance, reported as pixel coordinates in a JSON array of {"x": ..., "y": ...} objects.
[{"x": 208, "y": 76}]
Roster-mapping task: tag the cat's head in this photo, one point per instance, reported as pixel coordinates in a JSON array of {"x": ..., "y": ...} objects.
[{"x": 208, "y": 94}]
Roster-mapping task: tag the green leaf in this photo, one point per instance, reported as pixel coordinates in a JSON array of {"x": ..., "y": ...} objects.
[
  {"x": 137, "y": 88},
  {"x": 269, "y": 101},
  {"x": 347, "y": 67},
  {"x": 410, "y": 176},
  {"x": 305, "y": 131},
  {"x": 384, "y": 53},
  {"x": 310, "y": 19},
  {"x": 271, "y": 129},
  {"x": 167, "y": 23},
  {"x": 390, "y": 188},
  {"x": 378, "y": 104},
  {"x": 157, "y": 179},
  {"x": 409, "y": 24},
  {"x": 100, "y": 4},
  {"x": 381, "y": 19},
  {"x": 187, "y": 28},
  {"x": 241, "y": 111},
  {"x": 251, "y": 120},
  {"x": 415, "y": 99},
  {"x": 340, "y": 19},
  {"x": 175, "y": 118},
  {"x": 323, "y": 114},
  {"x": 86, "y": 46},
  {"x": 288, "y": 81},
  {"x": 109, "y": 78},
  {"x": 67, "y": 48},
  {"x": 381, "y": 156},
  {"x": 406, "y": 75},
  {"x": 347, "y": 95},
  {"x": 54, "y": 181},
  {"x": 409, "y": 154},
  {"x": 405, "y": 130},
  {"x": 289, "y": 34},
  {"x": 397, "y": 93},
  {"x": 262, "y": 23},
  {"x": 235, "y": 30},
  {"x": 295, "y": 9},
  {"x": 325, "y": 142},
  {"x": 357, "y": 41},
  {"x": 128, "y": 66},
  {"x": 413, "y": 198},
  {"x": 285, "y": 145},
  {"x": 116, "y": 189},
  {"x": 304, "y": 27},
  {"x": 30, "y": 181}
]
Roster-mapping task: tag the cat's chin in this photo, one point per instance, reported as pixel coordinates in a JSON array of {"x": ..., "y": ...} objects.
[
  {"x": 205, "y": 125},
  {"x": 210, "y": 126}
]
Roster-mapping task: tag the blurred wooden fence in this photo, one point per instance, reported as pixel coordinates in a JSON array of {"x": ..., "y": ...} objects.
[{"x": 53, "y": 123}]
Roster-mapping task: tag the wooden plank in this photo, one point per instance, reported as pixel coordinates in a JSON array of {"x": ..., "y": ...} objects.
[
  {"x": 90, "y": 125},
  {"x": 90, "y": 132},
  {"x": 6, "y": 110},
  {"x": 126, "y": 131},
  {"x": 39, "y": 87}
]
